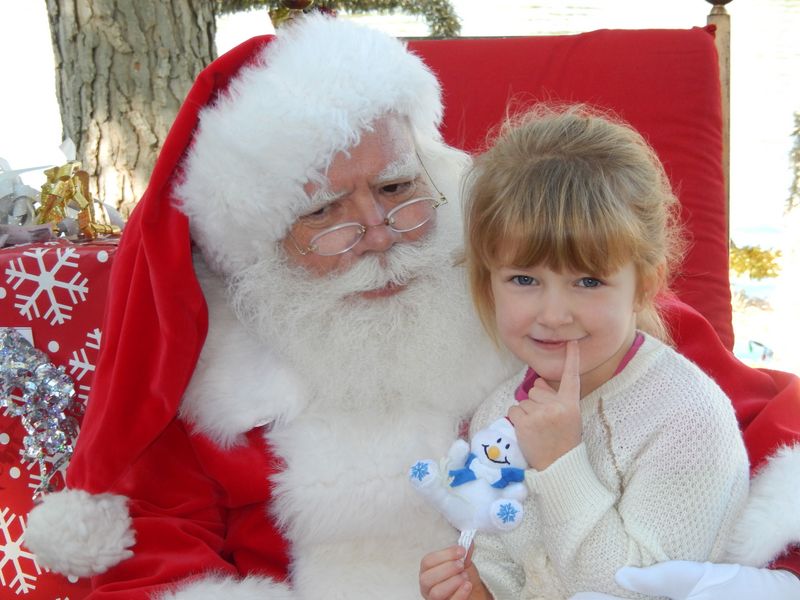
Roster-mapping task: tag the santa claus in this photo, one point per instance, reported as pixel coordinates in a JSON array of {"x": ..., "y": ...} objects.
[{"x": 263, "y": 389}]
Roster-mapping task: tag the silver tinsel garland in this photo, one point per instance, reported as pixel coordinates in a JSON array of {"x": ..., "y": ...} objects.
[{"x": 43, "y": 397}]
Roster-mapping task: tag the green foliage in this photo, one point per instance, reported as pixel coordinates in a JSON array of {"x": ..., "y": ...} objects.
[
  {"x": 754, "y": 261},
  {"x": 439, "y": 14}
]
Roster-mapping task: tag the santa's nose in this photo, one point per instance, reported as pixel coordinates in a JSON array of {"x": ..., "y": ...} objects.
[{"x": 493, "y": 453}]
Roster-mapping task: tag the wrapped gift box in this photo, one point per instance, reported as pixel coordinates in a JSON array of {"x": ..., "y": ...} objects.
[{"x": 53, "y": 293}]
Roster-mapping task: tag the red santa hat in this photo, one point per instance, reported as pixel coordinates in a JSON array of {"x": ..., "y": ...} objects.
[
  {"x": 258, "y": 123},
  {"x": 279, "y": 124}
]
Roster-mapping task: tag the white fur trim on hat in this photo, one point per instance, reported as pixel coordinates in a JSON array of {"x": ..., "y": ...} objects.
[
  {"x": 76, "y": 533},
  {"x": 214, "y": 588},
  {"x": 771, "y": 519},
  {"x": 312, "y": 92}
]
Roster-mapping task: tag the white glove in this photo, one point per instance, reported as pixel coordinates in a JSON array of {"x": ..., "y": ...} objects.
[{"x": 685, "y": 580}]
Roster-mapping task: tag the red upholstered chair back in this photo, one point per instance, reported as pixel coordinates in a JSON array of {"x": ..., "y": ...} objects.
[{"x": 664, "y": 82}]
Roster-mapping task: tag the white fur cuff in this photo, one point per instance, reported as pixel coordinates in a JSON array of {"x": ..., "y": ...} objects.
[
  {"x": 76, "y": 533},
  {"x": 249, "y": 588},
  {"x": 771, "y": 519}
]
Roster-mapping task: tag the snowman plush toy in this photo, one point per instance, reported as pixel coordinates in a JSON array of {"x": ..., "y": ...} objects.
[{"x": 479, "y": 486}]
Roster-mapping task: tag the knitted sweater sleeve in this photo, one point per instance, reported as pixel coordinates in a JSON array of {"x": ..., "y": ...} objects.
[
  {"x": 502, "y": 576},
  {"x": 680, "y": 482}
]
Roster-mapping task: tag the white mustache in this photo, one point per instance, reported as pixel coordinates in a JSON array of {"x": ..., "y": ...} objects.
[
  {"x": 272, "y": 283},
  {"x": 397, "y": 266}
]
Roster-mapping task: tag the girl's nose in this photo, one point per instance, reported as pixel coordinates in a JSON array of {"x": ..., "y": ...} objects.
[{"x": 554, "y": 310}]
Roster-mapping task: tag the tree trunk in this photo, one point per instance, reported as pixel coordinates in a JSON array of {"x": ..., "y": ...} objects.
[{"x": 123, "y": 68}]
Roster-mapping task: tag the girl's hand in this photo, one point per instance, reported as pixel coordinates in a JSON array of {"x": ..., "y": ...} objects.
[
  {"x": 450, "y": 575},
  {"x": 548, "y": 423}
]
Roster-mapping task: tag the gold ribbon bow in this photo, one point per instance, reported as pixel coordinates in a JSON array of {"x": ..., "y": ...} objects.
[{"x": 65, "y": 195}]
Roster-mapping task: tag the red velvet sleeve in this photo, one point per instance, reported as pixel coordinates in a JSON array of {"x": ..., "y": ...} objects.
[{"x": 189, "y": 521}]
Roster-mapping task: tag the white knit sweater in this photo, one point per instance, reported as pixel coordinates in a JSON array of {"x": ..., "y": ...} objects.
[{"x": 661, "y": 474}]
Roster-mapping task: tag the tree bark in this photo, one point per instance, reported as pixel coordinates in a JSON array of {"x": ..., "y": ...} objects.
[{"x": 123, "y": 68}]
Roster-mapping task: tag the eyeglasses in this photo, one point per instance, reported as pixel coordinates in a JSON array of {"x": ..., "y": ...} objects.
[{"x": 407, "y": 216}]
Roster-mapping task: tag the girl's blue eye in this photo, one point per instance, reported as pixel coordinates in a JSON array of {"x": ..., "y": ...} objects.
[
  {"x": 589, "y": 282},
  {"x": 522, "y": 279}
]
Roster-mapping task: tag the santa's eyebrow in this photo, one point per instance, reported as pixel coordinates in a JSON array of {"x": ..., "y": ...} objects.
[
  {"x": 323, "y": 197},
  {"x": 405, "y": 167}
]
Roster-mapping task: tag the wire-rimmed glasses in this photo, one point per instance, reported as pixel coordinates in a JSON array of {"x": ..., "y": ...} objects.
[{"x": 338, "y": 239}]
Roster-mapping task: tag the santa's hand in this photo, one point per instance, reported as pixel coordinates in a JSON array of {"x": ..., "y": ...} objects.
[
  {"x": 548, "y": 423},
  {"x": 686, "y": 580}
]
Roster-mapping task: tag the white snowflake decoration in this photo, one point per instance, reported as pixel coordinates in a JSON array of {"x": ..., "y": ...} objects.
[
  {"x": 47, "y": 283},
  {"x": 80, "y": 364},
  {"x": 12, "y": 554}
]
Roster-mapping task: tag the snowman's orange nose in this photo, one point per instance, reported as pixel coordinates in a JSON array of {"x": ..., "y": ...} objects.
[{"x": 493, "y": 452}]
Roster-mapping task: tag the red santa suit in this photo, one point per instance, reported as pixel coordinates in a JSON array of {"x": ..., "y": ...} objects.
[{"x": 210, "y": 463}]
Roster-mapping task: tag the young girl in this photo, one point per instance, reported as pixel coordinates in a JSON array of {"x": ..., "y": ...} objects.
[{"x": 635, "y": 454}]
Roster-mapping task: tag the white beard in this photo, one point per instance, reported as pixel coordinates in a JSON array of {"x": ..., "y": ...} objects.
[
  {"x": 386, "y": 381},
  {"x": 350, "y": 350}
]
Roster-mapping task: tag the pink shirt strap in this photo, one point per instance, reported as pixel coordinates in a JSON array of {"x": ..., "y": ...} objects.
[{"x": 522, "y": 390}]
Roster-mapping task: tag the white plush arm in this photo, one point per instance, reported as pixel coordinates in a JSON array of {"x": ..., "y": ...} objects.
[{"x": 457, "y": 455}]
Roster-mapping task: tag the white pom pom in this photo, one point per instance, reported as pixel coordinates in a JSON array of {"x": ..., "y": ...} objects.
[{"x": 76, "y": 533}]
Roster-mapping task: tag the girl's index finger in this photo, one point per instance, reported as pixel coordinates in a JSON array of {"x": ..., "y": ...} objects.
[{"x": 570, "y": 386}]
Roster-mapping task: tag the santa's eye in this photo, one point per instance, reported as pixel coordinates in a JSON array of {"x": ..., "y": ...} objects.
[
  {"x": 398, "y": 188},
  {"x": 325, "y": 216}
]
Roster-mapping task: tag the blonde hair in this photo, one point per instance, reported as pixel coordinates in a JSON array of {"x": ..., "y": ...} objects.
[{"x": 577, "y": 189}]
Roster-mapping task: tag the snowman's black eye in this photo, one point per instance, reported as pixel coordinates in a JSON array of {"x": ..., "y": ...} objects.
[
  {"x": 499, "y": 440},
  {"x": 508, "y": 446}
]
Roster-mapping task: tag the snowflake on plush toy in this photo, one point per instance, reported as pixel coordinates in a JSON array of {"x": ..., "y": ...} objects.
[{"x": 480, "y": 486}]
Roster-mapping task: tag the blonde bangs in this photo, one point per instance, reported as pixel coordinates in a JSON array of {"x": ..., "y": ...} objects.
[{"x": 558, "y": 219}]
